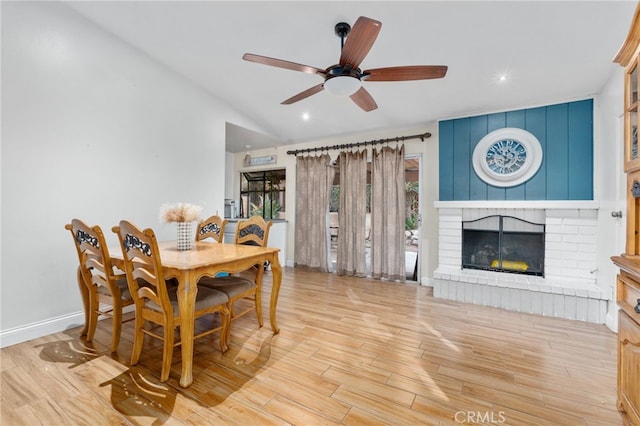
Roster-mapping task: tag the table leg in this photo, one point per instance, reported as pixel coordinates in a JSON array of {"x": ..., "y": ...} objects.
[
  {"x": 276, "y": 271},
  {"x": 186, "y": 303}
]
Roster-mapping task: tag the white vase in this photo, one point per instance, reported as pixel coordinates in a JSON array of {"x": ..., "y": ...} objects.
[{"x": 185, "y": 239}]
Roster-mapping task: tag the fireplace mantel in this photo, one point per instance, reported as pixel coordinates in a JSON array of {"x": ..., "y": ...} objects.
[{"x": 518, "y": 204}]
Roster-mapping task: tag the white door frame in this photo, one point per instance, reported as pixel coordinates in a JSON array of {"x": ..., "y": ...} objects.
[{"x": 418, "y": 156}]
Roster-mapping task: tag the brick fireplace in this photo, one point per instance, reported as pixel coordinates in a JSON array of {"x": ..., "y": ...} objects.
[{"x": 568, "y": 288}]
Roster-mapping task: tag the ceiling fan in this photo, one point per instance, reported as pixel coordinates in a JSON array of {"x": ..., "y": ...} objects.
[{"x": 346, "y": 78}]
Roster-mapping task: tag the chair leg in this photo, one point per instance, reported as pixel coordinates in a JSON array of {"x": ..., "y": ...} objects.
[
  {"x": 84, "y": 293},
  {"x": 167, "y": 351},
  {"x": 230, "y": 306},
  {"x": 94, "y": 304},
  {"x": 138, "y": 338},
  {"x": 116, "y": 328},
  {"x": 225, "y": 331}
]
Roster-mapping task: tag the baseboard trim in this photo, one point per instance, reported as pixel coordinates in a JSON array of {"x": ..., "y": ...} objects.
[
  {"x": 427, "y": 282},
  {"x": 612, "y": 318},
  {"x": 34, "y": 330}
]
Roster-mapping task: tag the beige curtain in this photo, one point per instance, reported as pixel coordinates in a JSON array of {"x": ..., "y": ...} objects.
[
  {"x": 388, "y": 214},
  {"x": 314, "y": 178},
  {"x": 351, "y": 217}
]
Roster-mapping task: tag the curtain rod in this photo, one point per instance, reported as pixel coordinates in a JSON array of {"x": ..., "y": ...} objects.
[{"x": 421, "y": 136}]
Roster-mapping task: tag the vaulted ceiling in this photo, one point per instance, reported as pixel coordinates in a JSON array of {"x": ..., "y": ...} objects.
[{"x": 547, "y": 51}]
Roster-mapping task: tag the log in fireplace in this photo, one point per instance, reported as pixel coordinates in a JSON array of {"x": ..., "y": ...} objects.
[{"x": 503, "y": 244}]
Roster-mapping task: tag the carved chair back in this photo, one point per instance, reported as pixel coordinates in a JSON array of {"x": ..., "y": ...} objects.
[
  {"x": 143, "y": 266},
  {"x": 212, "y": 227},
  {"x": 253, "y": 231}
]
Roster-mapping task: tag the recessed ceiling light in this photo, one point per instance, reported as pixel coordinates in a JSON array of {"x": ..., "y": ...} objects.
[
  {"x": 305, "y": 116},
  {"x": 502, "y": 77}
]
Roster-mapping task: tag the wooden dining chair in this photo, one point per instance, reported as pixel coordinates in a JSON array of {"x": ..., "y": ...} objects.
[
  {"x": 105, "y": 293},
  {"x": 156, "y": 301},
  {"x": 253, "y": 231},
  {"x": 212, "y": 227}
]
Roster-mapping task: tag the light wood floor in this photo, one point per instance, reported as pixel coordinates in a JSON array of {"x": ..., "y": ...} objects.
[{"x": 350, "y": 352}]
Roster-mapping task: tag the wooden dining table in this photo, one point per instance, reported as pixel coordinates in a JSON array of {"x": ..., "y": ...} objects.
[{"x": 208, "y": 259}]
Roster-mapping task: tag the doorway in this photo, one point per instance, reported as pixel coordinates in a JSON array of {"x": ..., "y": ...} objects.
[{"x": 412, "y": 166}]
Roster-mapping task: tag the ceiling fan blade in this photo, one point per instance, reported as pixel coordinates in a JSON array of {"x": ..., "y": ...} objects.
[
  {"x": 363, "y": 99},
  {"x": 304, "y": 94},
  {"x": 280, "y": 63},
  {"x": 359, "y": 41},
  {"x": 412, "y": 72}
]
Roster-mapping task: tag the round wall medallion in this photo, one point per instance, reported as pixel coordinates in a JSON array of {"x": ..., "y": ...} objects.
[{"x": 507, "y": 157}]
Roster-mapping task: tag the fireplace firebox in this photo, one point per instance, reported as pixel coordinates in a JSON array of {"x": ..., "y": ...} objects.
[{"x": 503, "y": 244}]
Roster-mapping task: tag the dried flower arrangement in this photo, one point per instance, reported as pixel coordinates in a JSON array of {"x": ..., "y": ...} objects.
[{"x": 179, "y": 212}]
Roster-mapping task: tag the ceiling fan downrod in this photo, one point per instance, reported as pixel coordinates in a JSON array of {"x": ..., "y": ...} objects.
[{"x": 342, "y": 29}]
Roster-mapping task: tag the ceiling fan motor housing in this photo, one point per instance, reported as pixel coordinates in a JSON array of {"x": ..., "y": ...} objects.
[{"x": 343, "y": 71}]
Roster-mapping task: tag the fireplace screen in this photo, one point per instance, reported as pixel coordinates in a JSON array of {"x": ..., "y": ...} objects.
[{"x": 504, "y": 244}]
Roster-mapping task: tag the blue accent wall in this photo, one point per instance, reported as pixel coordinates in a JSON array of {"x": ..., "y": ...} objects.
[{"x": 565, "y": 132}]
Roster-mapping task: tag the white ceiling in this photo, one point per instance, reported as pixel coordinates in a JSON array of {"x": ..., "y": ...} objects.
[{"x": 551, "y": 51}]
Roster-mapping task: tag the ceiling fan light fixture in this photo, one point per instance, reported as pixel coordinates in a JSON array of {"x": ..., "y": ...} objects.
[{"x": 342, "y": 85}]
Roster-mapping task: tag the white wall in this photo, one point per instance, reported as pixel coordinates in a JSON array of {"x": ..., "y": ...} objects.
[
  {"x": 229, "y": 178},
  {"x": 610, "y": 183},
  {"x": 428, "y": 150},
  {"x": 93, "y": 129}
]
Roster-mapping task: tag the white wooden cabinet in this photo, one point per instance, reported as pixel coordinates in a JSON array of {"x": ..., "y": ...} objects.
[{"x": 628, "y": 285}]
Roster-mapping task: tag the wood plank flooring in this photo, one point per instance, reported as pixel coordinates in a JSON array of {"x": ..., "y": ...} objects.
[{"x": 351, "y": 351}]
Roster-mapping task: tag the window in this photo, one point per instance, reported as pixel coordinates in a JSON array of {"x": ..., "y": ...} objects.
[{"x": 262, "y": 193}]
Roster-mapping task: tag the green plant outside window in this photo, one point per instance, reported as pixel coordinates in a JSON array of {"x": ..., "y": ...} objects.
[{"x": 262, "y": 193}]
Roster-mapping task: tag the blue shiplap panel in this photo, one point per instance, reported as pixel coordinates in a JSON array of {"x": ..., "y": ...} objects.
[
  {"x": 494, "y": 122},
  {"x": 445, "y": 160},
  {"x": 477, "y": 130},
  {"x": 535, "y": 123},
  {"x": 515, "y": 119},
  {"x": 515, "y": 192},
  {"x": 557, "y": 154},
  {"x": 580, "y": 161},
  {"x": 565, "y": 132},
  {"x": 495, "y": 193},
  {"x": 461, "y": 159}
]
